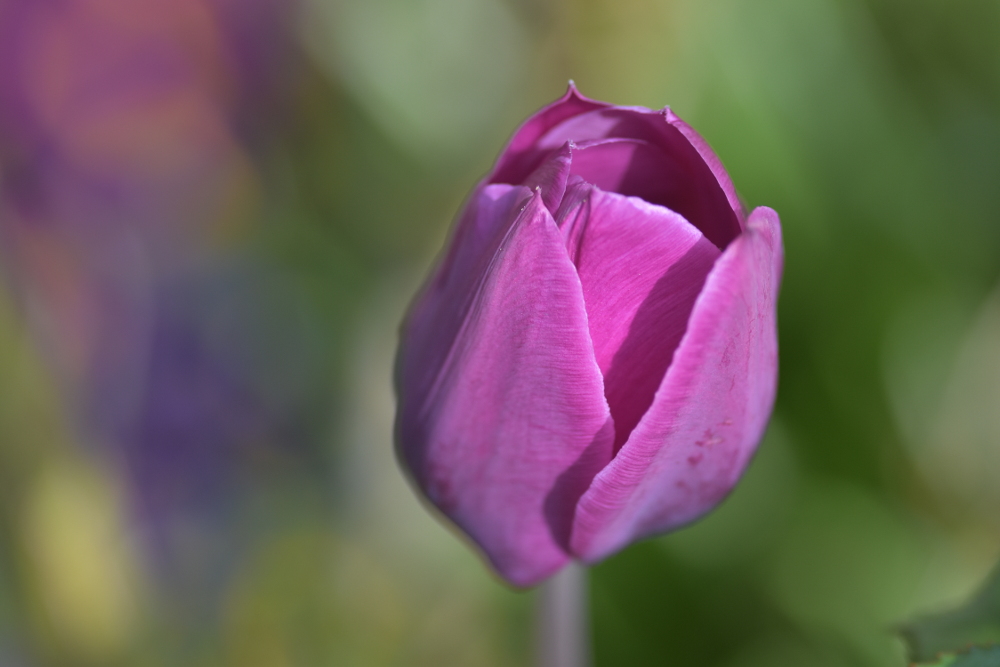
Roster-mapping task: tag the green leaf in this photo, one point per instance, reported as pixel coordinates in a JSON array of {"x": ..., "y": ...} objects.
[
  {"x": 974, "y": 657},
  {"x": 976, "y": 623}
]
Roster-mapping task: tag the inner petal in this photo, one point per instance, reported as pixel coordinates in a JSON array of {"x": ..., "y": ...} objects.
[
  {"x": 668, "y": 169},
  {"x": 630, "y": 167},
  {"x": 641, "y": 266}
]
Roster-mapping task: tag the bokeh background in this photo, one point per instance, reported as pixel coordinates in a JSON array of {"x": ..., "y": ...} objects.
[{"x": 213, "y": 214}]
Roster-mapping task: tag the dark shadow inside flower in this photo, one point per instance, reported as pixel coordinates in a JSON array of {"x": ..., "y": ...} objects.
[
  {"x": 680, "y": 180},
  {"x": 561, "y": 501},
  {"x": 633, "y": 373},
  {"x": 638, "y": 367},
  {"x": 641, "y": 267}
]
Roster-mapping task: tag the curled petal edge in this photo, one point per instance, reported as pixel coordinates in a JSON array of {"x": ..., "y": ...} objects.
[
  {"x": 518, "y": 156},
  {"x": 713, "y": 162}
]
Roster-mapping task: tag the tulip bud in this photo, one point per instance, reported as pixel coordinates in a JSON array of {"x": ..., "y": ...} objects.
[{"x": 594, "y": 358}]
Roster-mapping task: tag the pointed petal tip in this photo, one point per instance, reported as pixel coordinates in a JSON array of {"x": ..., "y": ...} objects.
[
  {"x": 535, "y": 200},
  {"x": 549, "y": 180},
  {"x": 573, "y": 93},
  {"x": 765, "y": 221},
  {"x": 764, "y": 217}
]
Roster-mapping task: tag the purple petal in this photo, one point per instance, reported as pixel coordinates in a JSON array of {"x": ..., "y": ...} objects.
[
  {"x": 552, "y": 177},
  {"x": 437, "y": 313},
  {"x": 521, "y": 156},
  {"x": 713, "y": 162},
  {"x": 710, "y": 411},
  {"x": 628, "y": 167},
  {"x": 641, "y": 266},
  {"x": 656, "y": 156},
  {"x": 504, "y": 423}
]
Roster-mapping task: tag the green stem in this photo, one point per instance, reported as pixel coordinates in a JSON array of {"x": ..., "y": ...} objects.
[{"x": 562, "y": 621}]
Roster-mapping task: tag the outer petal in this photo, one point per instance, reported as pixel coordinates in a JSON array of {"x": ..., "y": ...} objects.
[
  {"x": 437, "y": 313},
  {"x": 712, "y": 161},
  {"x": 505, "y": 430},
  {"x": 710, "y": 411}
]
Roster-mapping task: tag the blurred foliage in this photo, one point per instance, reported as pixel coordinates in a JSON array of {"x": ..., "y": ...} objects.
[
  {"x": 975, "y": 623},
  {"x": 974, "y": 657},
  {"x": 213, "y": 214}
]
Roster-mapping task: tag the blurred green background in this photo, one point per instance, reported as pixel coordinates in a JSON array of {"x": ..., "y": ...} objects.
[{"x": 213, "y": 214}]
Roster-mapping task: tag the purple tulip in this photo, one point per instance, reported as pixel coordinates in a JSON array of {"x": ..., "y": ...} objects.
[{"x": 594, "y": 360}]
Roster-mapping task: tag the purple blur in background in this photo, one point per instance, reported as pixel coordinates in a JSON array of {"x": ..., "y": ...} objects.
[{"x": 129, "y": 135}]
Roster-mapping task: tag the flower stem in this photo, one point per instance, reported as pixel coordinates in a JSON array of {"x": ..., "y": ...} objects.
[{"x": 562, "y": 621}]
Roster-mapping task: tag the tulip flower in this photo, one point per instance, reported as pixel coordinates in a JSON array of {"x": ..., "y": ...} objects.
[{"x": 594, "y": 358}]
